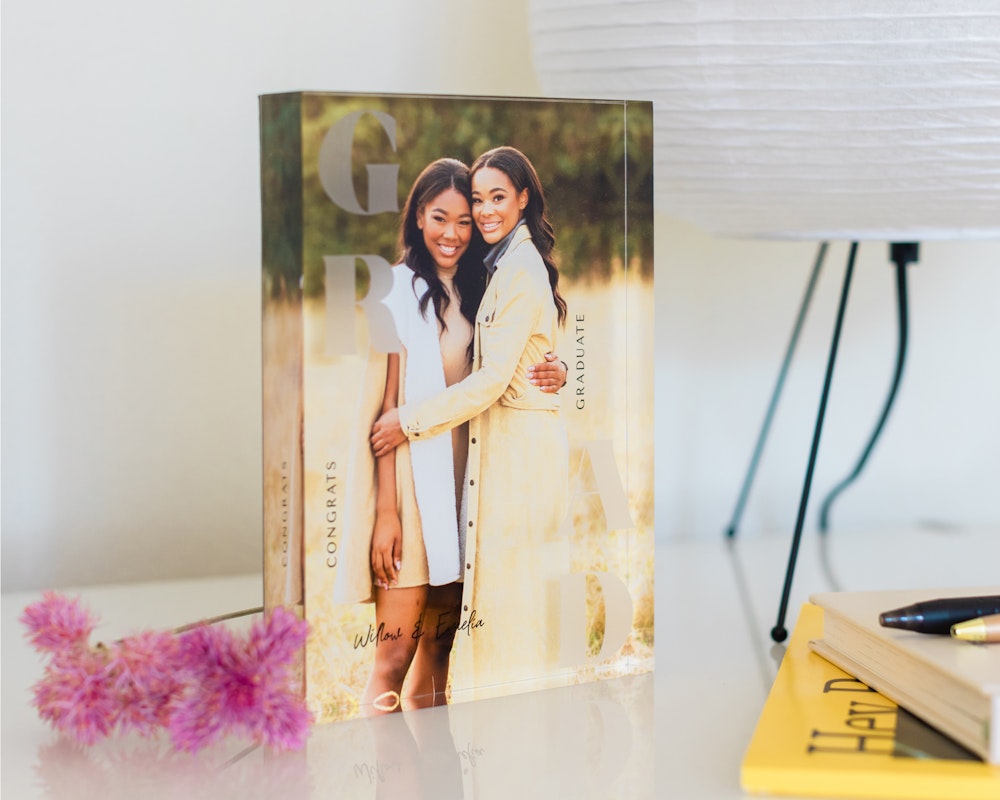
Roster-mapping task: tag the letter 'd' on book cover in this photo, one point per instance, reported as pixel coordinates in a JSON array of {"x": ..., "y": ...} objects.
[{"x": 457, "y": 321}]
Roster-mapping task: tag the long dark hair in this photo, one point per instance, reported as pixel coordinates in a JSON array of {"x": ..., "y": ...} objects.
[
  {"x": 470, "y": 277},
  {"x": 516, "y": 166}
]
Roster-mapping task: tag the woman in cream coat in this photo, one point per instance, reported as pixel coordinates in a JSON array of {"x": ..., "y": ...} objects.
[
  {"x": 516, "y": 489},
  {"x": 405, "y": 547}
]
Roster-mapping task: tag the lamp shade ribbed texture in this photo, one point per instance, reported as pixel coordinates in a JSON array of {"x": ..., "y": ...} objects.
[{"x": 796, "y": 118}]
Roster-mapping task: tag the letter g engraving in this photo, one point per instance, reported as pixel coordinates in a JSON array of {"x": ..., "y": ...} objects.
[{"x": 335, "y": 168}]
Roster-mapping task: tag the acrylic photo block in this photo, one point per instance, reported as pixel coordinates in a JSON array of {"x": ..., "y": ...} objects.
[{"x": 513, "y": 526}]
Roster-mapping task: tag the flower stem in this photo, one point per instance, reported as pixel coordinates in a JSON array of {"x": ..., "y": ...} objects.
[{"x": 221, "y": 618}]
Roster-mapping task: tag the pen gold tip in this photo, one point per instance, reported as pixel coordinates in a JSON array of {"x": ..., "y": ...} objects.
[{"x": 973, "y": 630}]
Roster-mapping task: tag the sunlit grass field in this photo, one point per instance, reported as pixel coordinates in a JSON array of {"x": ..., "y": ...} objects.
[{"x": 608, "y": 344}]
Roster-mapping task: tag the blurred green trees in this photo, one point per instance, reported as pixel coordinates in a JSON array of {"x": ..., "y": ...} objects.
[{"x": 582, "y": 151}]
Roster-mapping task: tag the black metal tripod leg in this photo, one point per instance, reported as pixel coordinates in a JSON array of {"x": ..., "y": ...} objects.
[
  {"x": 778, "y": 632},
  {"x": 776, "y": 394}
]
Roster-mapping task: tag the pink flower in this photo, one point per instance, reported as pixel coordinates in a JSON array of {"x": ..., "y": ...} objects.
[
  {"x": 201, "y": 684},
  {"x": 76, "y": 695},
  {"x": 276, "y": 639},
  {"x": 241, "y": 684},
  {"x": 144, "y": 670},
  {"x": 56, "y": 623}
]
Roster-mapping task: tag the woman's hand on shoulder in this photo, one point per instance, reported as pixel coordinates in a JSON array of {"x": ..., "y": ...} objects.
[{"x": 549, "y": 375}]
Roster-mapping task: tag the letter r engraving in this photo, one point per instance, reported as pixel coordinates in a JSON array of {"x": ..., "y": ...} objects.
[{"x": 339, "y": 279}]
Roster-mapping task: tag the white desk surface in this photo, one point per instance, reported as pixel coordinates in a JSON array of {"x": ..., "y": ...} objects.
[{"x": 715, "y": 662}]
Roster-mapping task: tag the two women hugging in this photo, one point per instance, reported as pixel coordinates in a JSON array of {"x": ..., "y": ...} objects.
[{"x": 458, "y": 531}]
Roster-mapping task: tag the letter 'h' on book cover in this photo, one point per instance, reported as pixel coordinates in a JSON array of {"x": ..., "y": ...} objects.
[{"x": 453, "y": 520}]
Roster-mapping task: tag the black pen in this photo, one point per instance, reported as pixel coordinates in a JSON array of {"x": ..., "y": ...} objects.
[{"x": 937, "y": 616}]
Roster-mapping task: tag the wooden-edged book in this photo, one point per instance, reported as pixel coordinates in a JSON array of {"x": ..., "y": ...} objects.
[{"x": 950, "y": 684}]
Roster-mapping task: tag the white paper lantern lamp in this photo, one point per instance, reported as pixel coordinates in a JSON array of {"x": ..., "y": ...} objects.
[
  {"x": 800, "y": 119},
  {"x": 797, "y": 119}
]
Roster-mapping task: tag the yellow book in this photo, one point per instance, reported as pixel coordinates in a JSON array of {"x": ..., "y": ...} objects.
[{"x": 823, "y": 733}]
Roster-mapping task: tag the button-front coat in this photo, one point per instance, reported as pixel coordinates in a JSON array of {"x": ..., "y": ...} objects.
[{"x": 516, "y": 488}]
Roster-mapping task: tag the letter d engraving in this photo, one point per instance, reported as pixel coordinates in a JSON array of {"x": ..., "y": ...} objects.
[{"x": 573, "y": 617}]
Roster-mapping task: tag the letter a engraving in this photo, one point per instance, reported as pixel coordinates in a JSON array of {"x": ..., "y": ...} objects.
[{"x": 610, "y": 490}]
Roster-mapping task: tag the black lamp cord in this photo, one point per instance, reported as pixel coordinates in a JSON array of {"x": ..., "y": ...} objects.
[{"x": 901, "y": 254}]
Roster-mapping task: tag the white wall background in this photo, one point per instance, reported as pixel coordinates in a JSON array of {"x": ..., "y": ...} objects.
[
  {"x": 725, "y": 314},
  {"x": 131, "y": 257},
  {"x": 130, "y": 298}
]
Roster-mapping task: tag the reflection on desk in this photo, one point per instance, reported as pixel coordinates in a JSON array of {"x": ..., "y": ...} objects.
[
  {"x": 715, "y": 664},
  {"x": 588, "y": 741},
  {"x": 576, "y": 742}
]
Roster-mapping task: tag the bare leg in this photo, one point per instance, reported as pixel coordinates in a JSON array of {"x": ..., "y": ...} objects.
[
  {"x": 428, "y": 681},
  {"x": 397, "y": 614}
]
